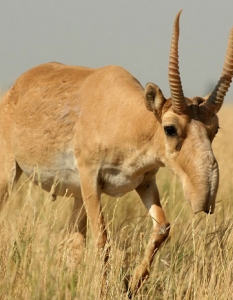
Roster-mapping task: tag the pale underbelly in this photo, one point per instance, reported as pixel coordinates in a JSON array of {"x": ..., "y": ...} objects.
[
  {"x": 67, "y": 182},
  {"x": 60, "y": 183},
  {"x": 60, "y": 176}
]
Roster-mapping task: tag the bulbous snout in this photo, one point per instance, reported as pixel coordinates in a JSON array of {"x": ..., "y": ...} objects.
[{"x": 201, "y": 185}]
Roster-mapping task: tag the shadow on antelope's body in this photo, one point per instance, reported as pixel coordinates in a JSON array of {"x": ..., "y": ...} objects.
[{"x": 95, "y": 131}]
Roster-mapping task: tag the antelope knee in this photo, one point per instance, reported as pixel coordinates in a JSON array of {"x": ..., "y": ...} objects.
[{"x": 161, "y": 233}]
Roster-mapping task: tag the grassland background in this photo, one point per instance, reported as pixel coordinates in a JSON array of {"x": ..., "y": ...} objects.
[{"x": 38, "y": 260}]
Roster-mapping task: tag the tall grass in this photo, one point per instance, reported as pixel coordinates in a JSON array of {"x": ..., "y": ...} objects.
[{"x": 39, "y": 260}]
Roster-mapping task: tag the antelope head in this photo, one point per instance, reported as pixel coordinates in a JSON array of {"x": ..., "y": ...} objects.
[{"x": 188, "y": 127}]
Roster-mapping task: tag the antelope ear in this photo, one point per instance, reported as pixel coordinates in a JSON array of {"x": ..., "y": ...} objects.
[{"x": 154, "y": 99}]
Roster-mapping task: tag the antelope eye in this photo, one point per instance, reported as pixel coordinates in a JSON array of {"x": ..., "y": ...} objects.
[{"x": 170, "y": 130}]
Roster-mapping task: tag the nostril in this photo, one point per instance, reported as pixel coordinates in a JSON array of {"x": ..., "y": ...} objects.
[{"x": 208, "y": 212}]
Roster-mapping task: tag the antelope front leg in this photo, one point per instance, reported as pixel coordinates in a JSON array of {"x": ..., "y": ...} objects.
[
  {"x": 78, "y": 219},
  {"x": 91, "y": 200},
  {"x": 149, "y": 194}
]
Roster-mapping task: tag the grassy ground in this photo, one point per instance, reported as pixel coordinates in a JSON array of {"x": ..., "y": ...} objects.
[{"x": 39, "y": 261}]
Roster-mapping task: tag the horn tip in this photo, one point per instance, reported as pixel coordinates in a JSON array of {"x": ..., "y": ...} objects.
[
  {"x": 177, "y": 19},
  {"x": 179, "y": 13}
]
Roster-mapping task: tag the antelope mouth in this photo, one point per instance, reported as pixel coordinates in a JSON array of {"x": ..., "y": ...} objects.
[
  {"x": 209, "y": 212},
  {"x": 206, "y": 211},
  {"x": 205, "y": 206}
]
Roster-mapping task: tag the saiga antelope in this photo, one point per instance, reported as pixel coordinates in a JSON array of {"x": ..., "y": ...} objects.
[{"x": 93, "y": 131}]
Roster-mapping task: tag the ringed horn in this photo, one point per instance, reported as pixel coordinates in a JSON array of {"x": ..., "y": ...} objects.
[{"x": 215, "y": 99}]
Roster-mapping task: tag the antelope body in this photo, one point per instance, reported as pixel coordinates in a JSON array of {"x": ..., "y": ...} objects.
[{"x": 83, "y": 132}]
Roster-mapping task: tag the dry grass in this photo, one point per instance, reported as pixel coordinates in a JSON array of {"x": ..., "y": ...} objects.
[{"x": 39, "y": 261}]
